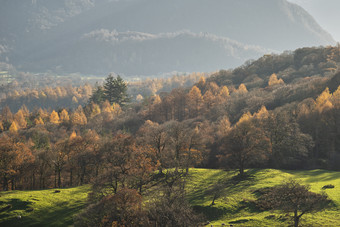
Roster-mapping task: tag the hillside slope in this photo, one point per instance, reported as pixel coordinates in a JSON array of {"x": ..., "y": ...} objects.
[{"x": 56, "y": 209}]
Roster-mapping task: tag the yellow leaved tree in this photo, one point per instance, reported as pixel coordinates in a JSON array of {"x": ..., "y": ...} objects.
[
  {"x": 274, "y": 81},
  {"x": 54, "y": 117}
]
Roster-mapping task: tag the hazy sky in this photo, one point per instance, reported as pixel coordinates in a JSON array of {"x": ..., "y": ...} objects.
[{"x": 326, "y": 13}]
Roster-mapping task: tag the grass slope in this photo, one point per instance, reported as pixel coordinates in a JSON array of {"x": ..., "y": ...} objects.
[
  {"x": 49, "y": 208},
  {"x": 234, "y": 206}
]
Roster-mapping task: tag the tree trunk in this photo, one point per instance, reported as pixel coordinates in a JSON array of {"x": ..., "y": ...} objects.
[
  {"x": 296, "y": 219},
  {"x": 41, "y": 184},
  {"x": 140, "y": 187},
  {"x": 213, "y": 201},
  {"x": 5, "y": 184},
  {"x": 82, "y": 175},
  {"x": 240, "y": 162},
  {"x": 187, "y": 164},
  {"x": 71, "y": 177},
  {"x": 59, "y": 178},
  {"x": 97, "y": 170},
  {"x": 241, "y": 170},
  {"x": 12, "y": 185},
  {"x": 33, "y": 181},
  {"x": 55, "y": 178}
]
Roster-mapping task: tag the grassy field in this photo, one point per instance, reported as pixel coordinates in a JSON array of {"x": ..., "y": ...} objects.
[
  {"x": 234, "y": 206},
  {"x": 49, "y": 208}
]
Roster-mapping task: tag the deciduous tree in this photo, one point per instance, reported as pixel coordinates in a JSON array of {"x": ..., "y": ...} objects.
[
  {"x": 54, "y": 117},
  {"x": 245, "y": 143},
  {"x": 293, "y": 197},
  {"x": 274, "y": 81}
]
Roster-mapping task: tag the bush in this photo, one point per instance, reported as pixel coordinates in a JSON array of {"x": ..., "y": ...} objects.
[{"x": 328, "y": 186}]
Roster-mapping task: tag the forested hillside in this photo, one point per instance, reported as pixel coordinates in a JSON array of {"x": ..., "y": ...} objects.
[{"x": 280, "y": 111}]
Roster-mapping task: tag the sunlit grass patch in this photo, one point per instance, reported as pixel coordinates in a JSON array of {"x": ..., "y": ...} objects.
[
  {"x": 236, "y": 204},
  {"x": 42, "y": 207}
]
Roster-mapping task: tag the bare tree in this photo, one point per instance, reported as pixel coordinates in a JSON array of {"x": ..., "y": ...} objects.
[{"x": 293, "y": 197}]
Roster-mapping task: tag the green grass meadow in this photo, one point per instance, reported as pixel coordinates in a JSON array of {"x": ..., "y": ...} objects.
[
  {"x": 234, "y": 206},
  {"x": 49, "y": 208}
]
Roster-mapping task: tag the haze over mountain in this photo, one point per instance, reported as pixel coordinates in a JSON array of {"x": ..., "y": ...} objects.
[
  {"x": 143, "y": 37},
  {"x": 325, "y": 12}
]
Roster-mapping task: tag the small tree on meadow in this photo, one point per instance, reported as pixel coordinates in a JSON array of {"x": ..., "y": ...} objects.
[{"x": 293, "y": 197}]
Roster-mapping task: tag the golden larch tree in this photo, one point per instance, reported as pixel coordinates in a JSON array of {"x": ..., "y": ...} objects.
[
  {"x": 54, "y": 117},
  {"x": 78, "y": 117},
  {"x": 93, "y": 110},
  {"x": 43, "y": 114},
  {"x": 336, "y": 98},
  {"x": 13, "y": 128},
  {"x": 262, "y": 113},
  {"x": 195, "y": 100},
  {"x": 274, "y": 81},
  {"x": 20, "y": 119},
  {"x": 242, "y": 89},
  {"x": 38, "y": 121},
  {"x": 208, "y": 99},
  {"x": 223, "y": 127},
  {"x": 64, "y": 117},
  {"x": 323, "y": 101},
  {"x": 224, "y": 92},
  {"x": 73, "y": 135},
  {"x": 106, "y": 107}
]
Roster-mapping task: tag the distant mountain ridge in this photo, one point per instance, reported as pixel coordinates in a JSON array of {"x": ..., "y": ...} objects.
[{"x": 141, "y": 37}]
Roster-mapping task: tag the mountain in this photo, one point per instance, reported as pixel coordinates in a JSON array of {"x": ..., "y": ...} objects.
[{"x": 141, "y": 37}]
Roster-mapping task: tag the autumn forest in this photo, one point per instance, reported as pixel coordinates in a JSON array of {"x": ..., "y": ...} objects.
[{"x": 132, "y": 140}]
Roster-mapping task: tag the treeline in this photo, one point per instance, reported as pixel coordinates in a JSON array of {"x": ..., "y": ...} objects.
[
  {"x": 308, "y": 62},
  {"x": 48, "y": 98},
  {"x": 57, "y": 149},
  {"x": 149, "y": 87},
  {"x": 52, "y": 92},
  {"x": 281, "y": 125}
]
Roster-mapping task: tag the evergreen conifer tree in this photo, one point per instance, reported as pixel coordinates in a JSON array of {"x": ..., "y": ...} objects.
[{"x": 115, "y": 90}]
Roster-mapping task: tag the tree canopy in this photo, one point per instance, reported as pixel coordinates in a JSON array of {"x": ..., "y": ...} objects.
[{"x": 115, "y": 90}]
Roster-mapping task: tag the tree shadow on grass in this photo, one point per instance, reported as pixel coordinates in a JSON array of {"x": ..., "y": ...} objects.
[
  {"x": 13, "y": 205},
  {"x": 213, "y": 213},
  {"x": 316, "y": 175},
  {"x": 210, "y": 212},
  {"x": 17, "y": 204},
  {"x": 55, "y": 217},
  {"x": 224, "y": 187},
  {"x": 250, "y": 205},
  {"x": 241, "y": 182},
  {"x": 240, "y": 221}
]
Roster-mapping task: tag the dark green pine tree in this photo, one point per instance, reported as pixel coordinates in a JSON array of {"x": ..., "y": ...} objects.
[
  {"x": 97, "y": 95},
  {"x": 115, "y": 90}
]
